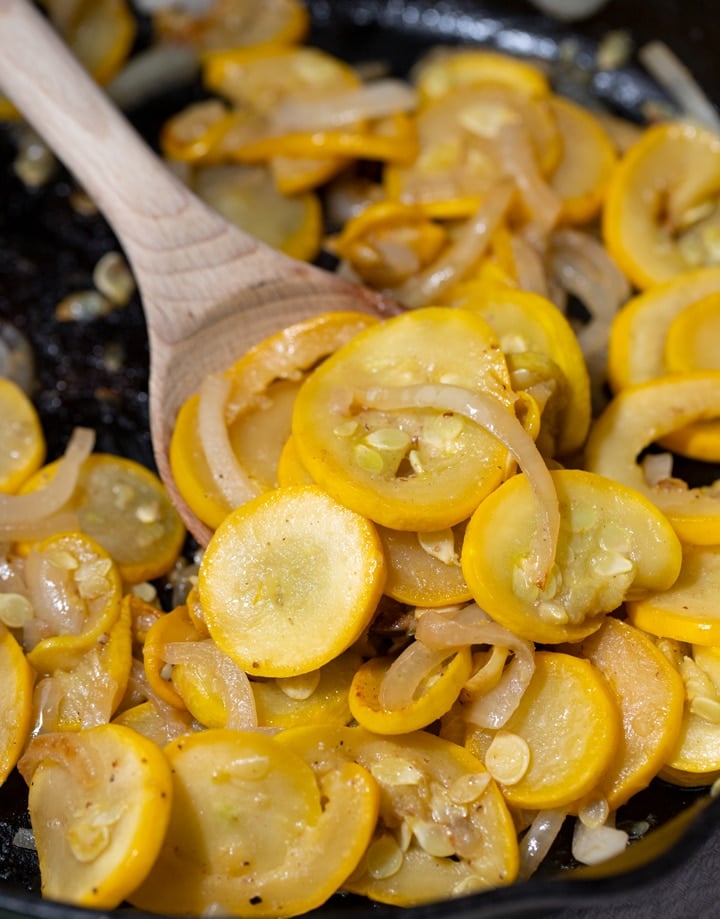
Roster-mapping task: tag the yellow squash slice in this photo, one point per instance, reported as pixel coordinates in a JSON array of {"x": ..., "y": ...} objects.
[
  {"x": 85, "y": 586},
  {"x": 559, "y": 741},
  {"x": 248, "y": 197},
  {"x": 661, "y": 212},
  {"x": 445, "y": 70},
  {"x": 424, "y": 568},
  {"x": 124, "y": 507},
  {"x": 23, "y": 448},
  {"x": 527, "y": 324},
  {"x": 671, "y": 328},
  {"x": 650, "y": 696},
  {"x": 16, "y": 691},
  {"x": 444, "y": 828},
  {"x": 613, "y": 543},
  {"x": 87, "y": 687},
  {"x": 433, "y": 699},
  {"x": 263, "y": 383},
  {"x": 99, "y": 32},
  {"x": 647, "y": 413},
  {"x": 690, "y": 609},
  {"x": 262, "y": 78},
  {"x": 253, "y": 831},
  {"x": 586, "y": 164},
  {"x": 463, "y": 151},
  {"x": 174, "y": 626},
  {"x": 388, "y": 241},
  {"x": 289, "y": 581},
  {"x": 695, "y": 759},
  {"x": 637, "y": 350},
  {"x": 233, "y": 23},
  {"x": 99, "y": 803},
  {"x": 318, "y": 697},
  {"x": 693, "y": 337},
  {"x": 413, "y": 467}
]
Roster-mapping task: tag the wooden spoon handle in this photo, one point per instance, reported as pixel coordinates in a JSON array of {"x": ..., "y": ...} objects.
[
  {"x": 56, "y": 95},
  {"x": 177, "y": 246}
]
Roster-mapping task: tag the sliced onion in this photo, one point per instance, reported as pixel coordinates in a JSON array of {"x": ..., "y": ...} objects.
[
  {"x": 12, "y": 580},
  {"x": 537, "y": 841},
  {"x": 152, "y": 72},
  {"x": 169, "y": 722},
  {"x": 518, "y": 162},
  {"x": 407, "y": 672},
  {"x": 529, "y": 266},
  {"x": 494, "y": 417},
  {"x": 17, "y": 361},
  {"x": 582, "y": 267},
  {"x": 679, "y": 84},
  {"x": 23, "y": 510},
  {"x": 349, "y": 195},
  {"x": 378, "y": 99},
  {"x": 457, "y": 260},
  {"x": 472, "y": 626},
  {"x": 657, "y": 467},
  {"x": 62, "y": 522},
  {"x": 227, "y": 678},
  {"x": 229, "y": 476},
  {"x": 57, "y": 610},
  {"x": 586, "y": 269}
]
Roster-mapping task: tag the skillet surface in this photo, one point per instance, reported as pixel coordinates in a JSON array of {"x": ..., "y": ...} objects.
[{"x": 96, "y": 373}]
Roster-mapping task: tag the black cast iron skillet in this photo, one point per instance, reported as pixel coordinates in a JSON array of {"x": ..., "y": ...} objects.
[{"x": 95, "y": 373}]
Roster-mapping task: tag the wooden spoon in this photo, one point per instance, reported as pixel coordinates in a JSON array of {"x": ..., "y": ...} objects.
[{"x": 209, "y": 291}]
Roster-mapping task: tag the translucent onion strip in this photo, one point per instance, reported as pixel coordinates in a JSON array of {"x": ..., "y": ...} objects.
[
  {"x": 223, "y": 675},
  {"x": 406, "y": 674},
  {"x": 345, "y": 108},
  {"x": 518, "y": 162},
  {"x": 494, "y": 417},
  {"x": 584, "y": 268},
  {"x": 537, "y": 841},
  {"x": 679, "y": 83},
  {"x": 62, "y": 522},
  {"x": 23, "y": 510},
  {"x": 529, "y": 266},
  {"x": 153, "y": 72},
  {"x": 472, "y": 626},
  {"x": 457, "y": 260},
  {"x": 229, "y": 476}
]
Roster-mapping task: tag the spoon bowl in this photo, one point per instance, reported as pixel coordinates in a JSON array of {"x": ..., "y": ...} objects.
[{"x": 209, "y": 291}]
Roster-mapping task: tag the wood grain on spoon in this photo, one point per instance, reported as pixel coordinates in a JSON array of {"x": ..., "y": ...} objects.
[{"x": 209, "y": 291}]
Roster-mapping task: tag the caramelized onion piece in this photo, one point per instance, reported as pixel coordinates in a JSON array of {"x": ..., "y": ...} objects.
[
  {"x": 407, "y": 673},
  {"x": 472, "y": 626},
  {"x": 22, "y": 511},
  {"x": 224, "y": 675},
  {"x": 82, "y": 762},
  {"x": 457, "y": 260},
  {"x": 345, "y": 108},
  {"x": 229, "y": 476},
  {"x": 494, "y": 417}
]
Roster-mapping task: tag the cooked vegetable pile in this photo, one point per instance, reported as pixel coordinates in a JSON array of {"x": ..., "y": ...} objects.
[{"x": 457, "y": 594}]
